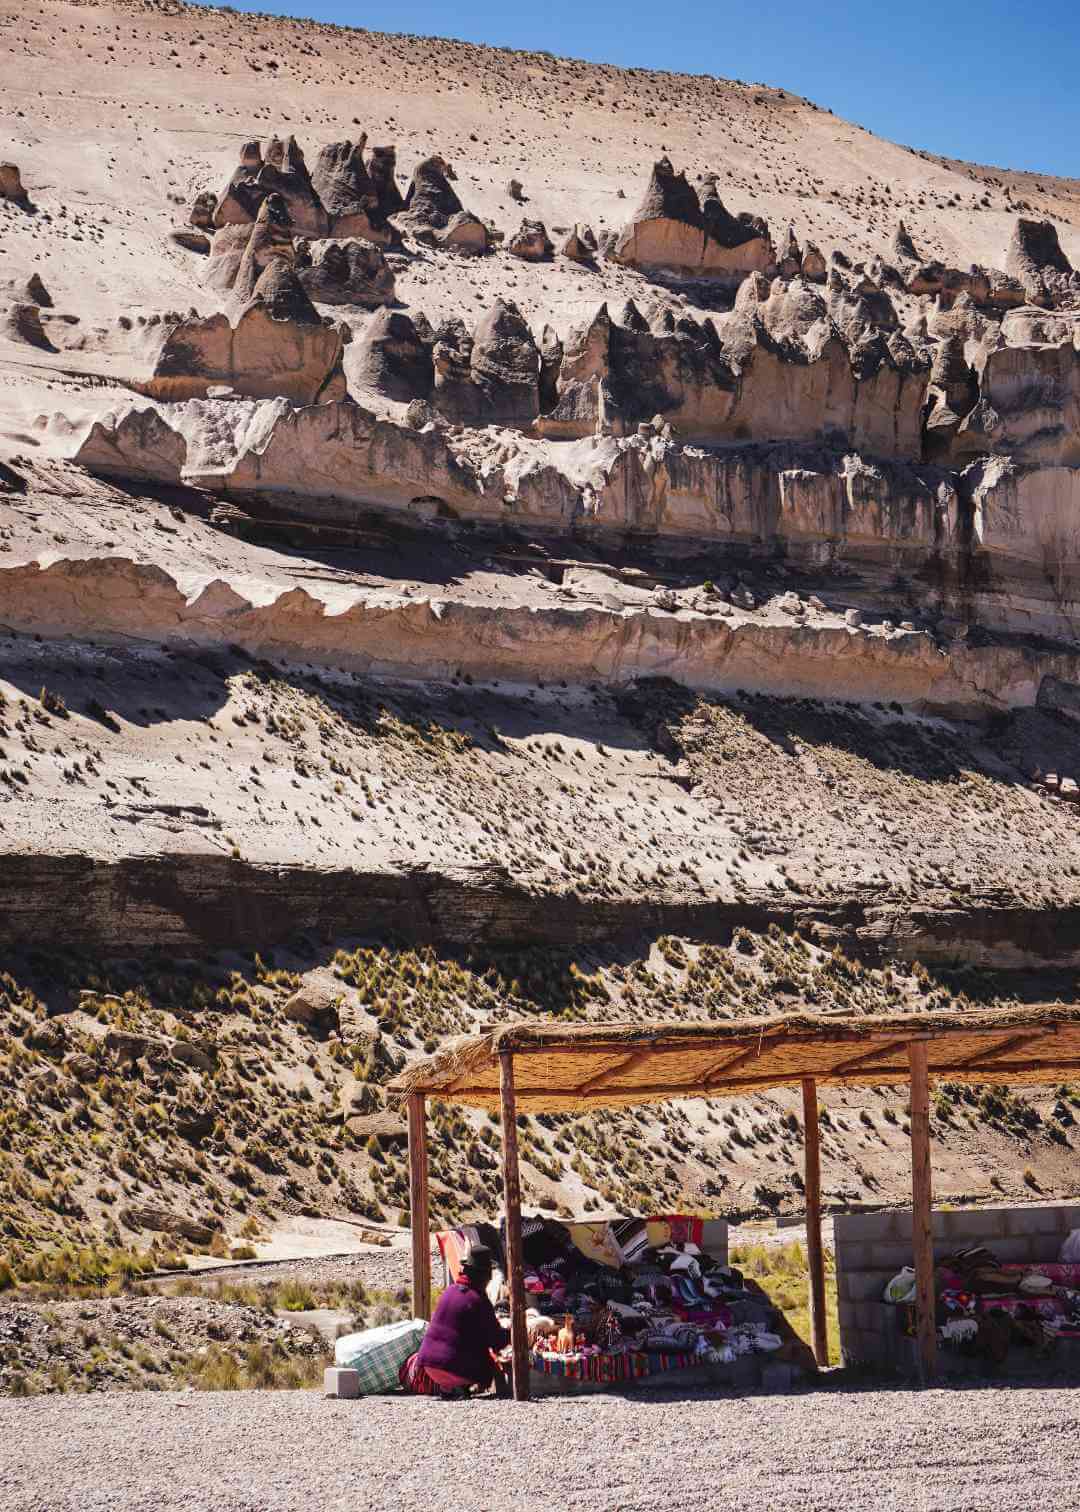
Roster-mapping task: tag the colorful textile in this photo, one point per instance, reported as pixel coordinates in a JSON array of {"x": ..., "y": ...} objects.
[
  {"x": 684, "y": 1230},
  {"x": 597, "y": 1243},
  {"x": 1059, "y": 1274},
  {"x": 608, "y": 1368},
  {"x": 378, "y": 1354},
  {"x": 453, "y": 1247},
  {"x": 413, "y": 1378}
]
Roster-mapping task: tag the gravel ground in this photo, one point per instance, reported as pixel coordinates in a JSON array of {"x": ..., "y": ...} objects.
[{"x": 981, "y": 1449}]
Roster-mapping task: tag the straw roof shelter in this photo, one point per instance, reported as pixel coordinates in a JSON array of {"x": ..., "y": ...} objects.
[{"x": 546, "y": 1067}]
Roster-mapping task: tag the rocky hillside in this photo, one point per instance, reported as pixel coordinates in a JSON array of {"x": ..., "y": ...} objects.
[{"x": 484, "y": 534}]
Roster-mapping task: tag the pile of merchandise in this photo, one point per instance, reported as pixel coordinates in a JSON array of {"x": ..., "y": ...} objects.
[
  {"x": 629, "y": 1298},
  {"x": 984, "y": 1307}
]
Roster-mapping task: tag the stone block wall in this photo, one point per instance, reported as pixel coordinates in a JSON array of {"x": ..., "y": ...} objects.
[{"x": 872, "y": 1247}]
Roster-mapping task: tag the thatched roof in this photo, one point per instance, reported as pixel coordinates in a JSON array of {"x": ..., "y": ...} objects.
[{"x": 573, "y": 1067}]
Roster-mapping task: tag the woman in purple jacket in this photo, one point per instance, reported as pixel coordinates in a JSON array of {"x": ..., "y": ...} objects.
[{"x": 456, "y": 1349}]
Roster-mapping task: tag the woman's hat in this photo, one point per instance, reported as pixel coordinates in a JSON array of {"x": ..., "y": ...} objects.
[{"x": 479, "y": 1258}]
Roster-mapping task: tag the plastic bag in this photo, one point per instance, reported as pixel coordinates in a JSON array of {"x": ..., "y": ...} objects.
[
  {"x": 901, "y": 1288},
  {"x": 378, "y": 1354},
  {"x": 1070, "y": 1250}
]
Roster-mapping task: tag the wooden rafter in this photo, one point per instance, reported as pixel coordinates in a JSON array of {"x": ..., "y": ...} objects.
[
  {"x": 1013, "y": 1042},
  {"x": 625, "y": 1063},
  {"x": 855, "y": 1062}
]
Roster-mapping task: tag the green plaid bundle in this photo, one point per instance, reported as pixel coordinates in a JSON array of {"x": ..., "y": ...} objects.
[{"x": 378, "y": 1354}]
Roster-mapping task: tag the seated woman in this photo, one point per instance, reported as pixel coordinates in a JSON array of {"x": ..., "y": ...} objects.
[{"x": 456, "y": 1349}]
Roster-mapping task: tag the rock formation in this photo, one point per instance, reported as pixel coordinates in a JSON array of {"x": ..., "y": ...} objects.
[
  {"x": 350, "y": 198},
  {"x": 11, "y": 184},
  {"x": 191, "y": 241},
  {"x": 279, "y": 170},
  {"x": 201, "y": 214},
  {"x": 382, "y": 170},
  {"x": 580, "y": 245},
  {"x": 531, "y": 242},
  {"x": 268, "y": 241},
  {"x": 345, "y": 273},
  {"x": 492, "y": 377},
  {"x": 1036, "y": 261},
  {"x": 672, "y": 231},
  {"x": 434, "y": 214},
  {"x": 135, "y": 443},
  {"x": 278, "y": 346},
  {"x": 29, "y": 290},
  {"x": 21, "y": 322}
]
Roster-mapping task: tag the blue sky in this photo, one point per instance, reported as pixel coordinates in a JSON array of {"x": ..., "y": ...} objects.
[{"x": 994, "y": 81}]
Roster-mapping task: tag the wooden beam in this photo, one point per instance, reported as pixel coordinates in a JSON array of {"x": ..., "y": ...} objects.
[
  {"x": 815, "y": 1255},
  {"x": 922, "y": 1232},
  {"x": 872, "y": 1076},
  {"x": 515, "y": 1274},
  {"x": 419, "y": 1220},
  {"x": 771, "y": 1031}
]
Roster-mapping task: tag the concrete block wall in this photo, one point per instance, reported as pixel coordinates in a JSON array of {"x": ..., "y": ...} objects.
[{"x": 872, "y": 1247}]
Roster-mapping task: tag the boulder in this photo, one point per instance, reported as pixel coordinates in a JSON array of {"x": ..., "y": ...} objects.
[
  {"x": 580, "y": 245},
  {"x": 21, "y": 322},
  {"x": 390, "y": 359},
  {"x": 280, "y": 169},
  {"x": 387, "y": 1127},
  {"x": 161, "y": 1221},
  {"x": 531, "y": 242},
  {"x": 201, "y": 214},
  {"x": 434, "y": 214},
  {"x": 346, "y": 273},
  {"x": 1036, "y": 260},
  {"x": 672, "y": 231},
  {"x": 81, "y": 1068},
  {"x": 133, "y": 443},
  {"x": 350, "y": 198},
  {"x": 191, "y": 241},
  {"x": 29, "y": 290},
  {"x": 465, "y": 233},
  {"x": 11, "y": 184},
  {"x": 314, "y": 1005},
  {"x": 382, "y": 171}
]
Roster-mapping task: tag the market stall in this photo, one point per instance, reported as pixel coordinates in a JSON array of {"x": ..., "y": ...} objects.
[
  {"x": 532, "y": 1067},
  {"x": 616, "y": 1301}
]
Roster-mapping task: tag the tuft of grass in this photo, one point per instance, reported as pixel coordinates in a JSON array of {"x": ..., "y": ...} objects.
[{"x": 783, "y": 1273}]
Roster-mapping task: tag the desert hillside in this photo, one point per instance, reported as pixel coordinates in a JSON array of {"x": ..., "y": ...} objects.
[{"x": 484, "y": 534}]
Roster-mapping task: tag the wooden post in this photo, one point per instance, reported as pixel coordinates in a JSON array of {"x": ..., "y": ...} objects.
[
  {"x": 922, "y": 1234},
  {"x": 815, "y": 1255},
  {"x": 512, "y": 1207},
  {"x": 418, "y": 1207}
]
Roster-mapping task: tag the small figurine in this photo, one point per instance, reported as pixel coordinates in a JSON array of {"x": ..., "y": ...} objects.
[{"x": 564, "y": 1343}]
